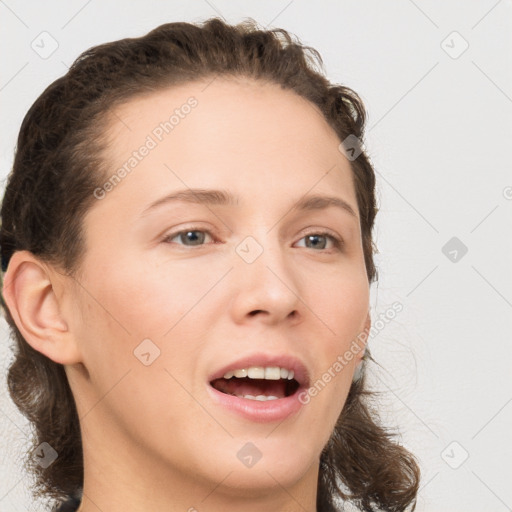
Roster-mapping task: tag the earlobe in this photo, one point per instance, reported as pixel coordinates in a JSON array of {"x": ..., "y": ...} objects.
[
  {"x": 365, "y": 336},
  {"x": 358, "y": 371},
  {"x": 30, "y": 296}
]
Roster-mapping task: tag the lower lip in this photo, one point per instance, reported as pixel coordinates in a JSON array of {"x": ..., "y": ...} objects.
[{"x": 257, "y": 410}]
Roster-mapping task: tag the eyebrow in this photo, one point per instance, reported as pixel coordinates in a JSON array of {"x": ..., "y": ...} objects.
[{"x": 223, "y": 198}]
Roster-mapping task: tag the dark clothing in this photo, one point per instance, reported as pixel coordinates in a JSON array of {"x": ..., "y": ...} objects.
[{"x": 70, "y": 505}]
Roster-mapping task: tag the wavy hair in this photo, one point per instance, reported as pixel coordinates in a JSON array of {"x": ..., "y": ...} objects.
[{"x": 58, "y": 164}]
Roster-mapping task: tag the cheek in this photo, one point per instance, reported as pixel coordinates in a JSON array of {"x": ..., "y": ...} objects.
[
  {"x": 149, "y": 301},
  {"x": 116, "y": 316},
  {"x": 126, "y": 306},
  {"x": 343, "y": 304},
  {"x": 343, "y": 313}
]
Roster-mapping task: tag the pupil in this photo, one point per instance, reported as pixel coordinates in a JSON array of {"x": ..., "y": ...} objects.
[
  {"x": 194, "y": 238},
  {"x": 316, "y": 237}
]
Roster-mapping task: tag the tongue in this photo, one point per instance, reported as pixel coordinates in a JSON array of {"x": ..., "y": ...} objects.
[{"x": 254, "y": 387}]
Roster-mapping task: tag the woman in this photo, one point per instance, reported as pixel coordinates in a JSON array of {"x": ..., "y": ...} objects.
[{"x": 187, "y": 240}]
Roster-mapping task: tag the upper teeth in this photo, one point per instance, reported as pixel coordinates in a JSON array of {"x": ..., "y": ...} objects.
[{"x": 260, "y": 372}]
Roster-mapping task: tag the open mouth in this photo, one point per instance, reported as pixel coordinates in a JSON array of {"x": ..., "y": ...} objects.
[
  {"x": 256, "y": 388},
  {"x": 260, "y": 387}
]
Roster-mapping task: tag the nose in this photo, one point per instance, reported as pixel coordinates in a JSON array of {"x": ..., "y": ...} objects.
[{"x": 266, "y": 288}]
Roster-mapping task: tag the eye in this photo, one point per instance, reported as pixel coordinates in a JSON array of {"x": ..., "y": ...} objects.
[
  {"x": 194, "y": 236},
  {"x": 319, "y": 240}
]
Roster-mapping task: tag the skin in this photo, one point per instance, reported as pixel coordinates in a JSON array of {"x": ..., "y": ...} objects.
[{"x": 153, "y": 439}]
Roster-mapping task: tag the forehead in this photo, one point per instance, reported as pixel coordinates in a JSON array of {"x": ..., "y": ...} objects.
[
  {"x": 233, "y": 131},
  {"x": 235, "y": 113}
]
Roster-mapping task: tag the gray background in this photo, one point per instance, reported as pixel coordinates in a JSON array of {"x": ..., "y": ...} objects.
[{"x": 440, "y": 136}]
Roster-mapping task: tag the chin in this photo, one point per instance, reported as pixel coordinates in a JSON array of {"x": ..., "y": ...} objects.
[{"x": 262, "y": 464}]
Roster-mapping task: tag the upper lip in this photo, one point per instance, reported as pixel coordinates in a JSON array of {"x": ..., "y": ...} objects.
[{"x": 301, "y": 373}]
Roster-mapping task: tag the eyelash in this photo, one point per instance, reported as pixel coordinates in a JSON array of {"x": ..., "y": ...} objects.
[{"x": 337, "y": 242}]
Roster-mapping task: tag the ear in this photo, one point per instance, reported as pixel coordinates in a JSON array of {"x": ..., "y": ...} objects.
[
  {"x": 363, "y": 337},
  {"x": 31, "y": 291}
]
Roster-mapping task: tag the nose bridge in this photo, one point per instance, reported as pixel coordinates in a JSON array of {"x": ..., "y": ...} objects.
[{"x": 265, "y": 277}]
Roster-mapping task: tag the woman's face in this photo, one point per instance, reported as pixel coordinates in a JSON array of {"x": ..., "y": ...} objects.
[{"x": 174, "y": 292}]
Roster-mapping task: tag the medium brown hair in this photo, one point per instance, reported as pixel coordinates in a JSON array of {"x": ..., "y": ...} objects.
[{"x": 58, "y": 164}]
